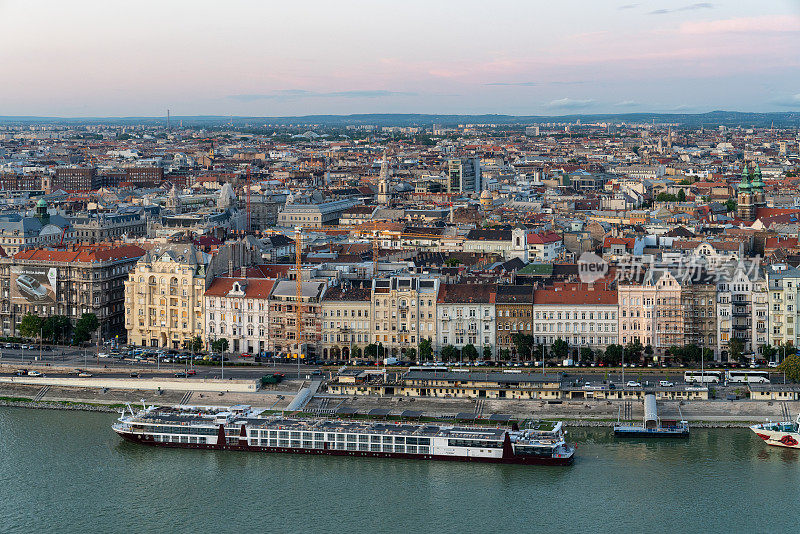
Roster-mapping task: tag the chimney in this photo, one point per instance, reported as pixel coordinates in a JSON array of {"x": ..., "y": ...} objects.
[
  {"x": 230, "y": 267},
  {"x": 244, "y": 272}
]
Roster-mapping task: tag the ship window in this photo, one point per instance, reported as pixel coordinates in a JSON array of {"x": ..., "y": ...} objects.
[
  {"x": 375, "y": 447},
  {"x": 387, "y": 439}
]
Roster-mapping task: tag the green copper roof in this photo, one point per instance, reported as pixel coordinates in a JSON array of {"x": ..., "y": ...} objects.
[
  {"x": 758, "y": 183},
  {"x": 744, "y": 184}
]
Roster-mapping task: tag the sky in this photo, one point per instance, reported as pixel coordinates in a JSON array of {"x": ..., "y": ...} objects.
[{"x": 522, "y": 57}]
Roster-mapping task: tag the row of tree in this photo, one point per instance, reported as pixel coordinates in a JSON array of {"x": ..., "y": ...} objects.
[{"x": 58, "y": 328}]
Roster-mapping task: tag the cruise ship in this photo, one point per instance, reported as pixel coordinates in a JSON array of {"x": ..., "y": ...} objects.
[
  {"x": 785, "y": 434},
  {"x": 241, "y": 428}
]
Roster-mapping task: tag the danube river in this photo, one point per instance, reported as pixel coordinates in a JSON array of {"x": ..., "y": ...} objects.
[{"x": 68, "y": 472}]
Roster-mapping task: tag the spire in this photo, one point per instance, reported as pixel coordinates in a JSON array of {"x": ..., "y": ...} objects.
[
  {"x": 758, "y": 183},
  {"x": 744, "y": 184}
]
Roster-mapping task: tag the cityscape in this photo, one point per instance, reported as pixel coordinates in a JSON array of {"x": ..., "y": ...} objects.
[{"x": 498, "y": 273}]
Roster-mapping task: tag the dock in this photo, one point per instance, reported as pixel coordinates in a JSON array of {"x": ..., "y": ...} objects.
[{"x": 652, "y": 426}]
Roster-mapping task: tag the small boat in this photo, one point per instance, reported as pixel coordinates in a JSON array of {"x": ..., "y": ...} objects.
[{"x": 784, "y": 434}]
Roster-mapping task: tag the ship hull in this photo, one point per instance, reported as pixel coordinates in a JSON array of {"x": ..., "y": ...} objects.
[
  {"x": 142, "y": 440},
  {"x": 777, "y": 438}
]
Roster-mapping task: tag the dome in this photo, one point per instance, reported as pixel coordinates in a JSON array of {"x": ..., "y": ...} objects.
[
  {"x": 41, "y": 204},
  {"x": 486, "y": 195},
  {"x": 744, "y": 185}
]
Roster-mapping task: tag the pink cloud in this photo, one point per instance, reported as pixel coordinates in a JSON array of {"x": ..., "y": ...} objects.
[{"x": 768, "y": 23}]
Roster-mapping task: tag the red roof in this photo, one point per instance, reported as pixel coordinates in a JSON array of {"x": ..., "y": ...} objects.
[
  {"x": 255, "y": 288},
  {"x": 543, "y": 238},
  {"x": 573, "y": 294},
  {"x": 82, "y": 253}
]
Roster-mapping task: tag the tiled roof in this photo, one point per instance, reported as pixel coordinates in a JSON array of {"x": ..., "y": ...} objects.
[
  {"x": 574, "y": 294},
  {"x": 255, "y": 288},
  {"x": 543, "y": 238},
  {"x": 467, "y": 293},
  {"x": 82, "y": 254}
]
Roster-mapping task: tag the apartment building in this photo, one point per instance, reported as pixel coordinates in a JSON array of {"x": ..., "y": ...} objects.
[
  {"x": 514, "y": 308},
  {"x": 284, "y": 333},
  {"x": 583, "y": 315},
  {"x": 237, "y": 309},
  {"x": 346, "y": 321},
  {"x": 651, "y": 311},
  {"x": 466, "y": 316},
  {"x": 68, "y": 282},
  {"x": 783, "y": 281},
  {"x": 403, "y": 312}
]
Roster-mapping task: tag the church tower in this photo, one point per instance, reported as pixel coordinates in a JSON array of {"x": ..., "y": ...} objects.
[
  {"x": 757, "y": 186},
  {"x": 745, "y": 210},
  {"x": 383, "y": 182}
]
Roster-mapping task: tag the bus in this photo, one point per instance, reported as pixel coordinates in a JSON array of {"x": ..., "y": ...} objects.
[
  {"x": 706, "y": 377},
  {"x": 737, "y": 376}
]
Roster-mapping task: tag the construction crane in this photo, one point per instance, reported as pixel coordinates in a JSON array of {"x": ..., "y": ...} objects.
[
  {"x": 375, "y": 246},
  {"x": 298, "y": 264},
  {"x": 249, "y": 225}
]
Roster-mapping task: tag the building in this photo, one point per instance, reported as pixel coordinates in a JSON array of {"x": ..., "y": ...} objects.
[
  {"x": 69, "y": 282},
  {"x": 403, "y": 312},
  {"x": 750, "y": 196},
  {"x": 237, "y": 309},
  {"x": 583, "y": 315},
  {"x": 463, "y": 175},
  {"x": 782, "y": 283},
  {"x": 514, "y": 308},
  {"x": 20, "y": 232},
  {"x": 544, "y": 247},
  {"x": 651, "y": 312},
  {"x": 144, "y": 176},
  {"x": 103, "y": 227},
  {"x": 313, "y": 215},
  {"x": 75, "y": 179},
  {"x": 164, "y": 296},
  {"x": 346, "y": 321},
  {"x": 466, "y": 316},
  {"x": 283, "y": 328},
  {"x": 508, "y": 243}
]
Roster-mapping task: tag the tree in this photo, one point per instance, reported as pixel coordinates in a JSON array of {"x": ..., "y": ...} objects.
[
  {"x": 735, "y": 349},
  {"x": 768, "y": 352},
  {"x": 523, "y": 343},
  {"x": 613, "y": 355},
  {"x": 56, "y": 327},
  {"x": 681, "y": 195},
  {"x": 470, "y": 352},
  {"x": 84, "y": 327},
  {"x": 666, "y": 197},
  {"x": 505, "y": 355},
  {"x": 791, "y": 366},
  {"x": 648, "y": 351},
  {"x": 195, "y": 344},
  {"x": 425, "y": 349},
  {"x": 487, "y": 352},
  {"x": 355, "y": 352},
  {"x": 633, "y": 350},
  {"x": 411, "y": 354},
  {"x": 371, "y": 351},
  {"x": 586, "y": 355},
  {"x": 30, "y": 325},
  {"x": 730, "y": 205},
  {"x": 449, "y": 353},
  {"x": 219, "y": 345},
  {"x": 560, "y": 349},
  {"x": 452, "y": 262}
]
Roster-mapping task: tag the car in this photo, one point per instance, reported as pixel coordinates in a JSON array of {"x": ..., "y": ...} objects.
[
  {"x": 30, "y": 288},
  {"x": 102, "y": 355},
  {"x": 21, "y": 372},
  {"x": 135, "y": 375},
  {"x": 772, "y": 364},
  {"x": 632, "y": 384},
  {"x": 665, "y": 383},
  {"x": 245, "y": 355},
  {"x": 34, "y": 373},
  {"x": 84, "y": 374},
  {"x": 191, "y": 372},
  {"x": 181, "y": 374}
]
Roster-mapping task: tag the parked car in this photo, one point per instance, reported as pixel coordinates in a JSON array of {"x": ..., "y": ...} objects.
[
  {"x": 665, "y": 383},
  {"x": 772, "y": 364}
]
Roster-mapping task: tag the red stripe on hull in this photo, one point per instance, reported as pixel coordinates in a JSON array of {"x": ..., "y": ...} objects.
[{"x": 137, "y": 438}]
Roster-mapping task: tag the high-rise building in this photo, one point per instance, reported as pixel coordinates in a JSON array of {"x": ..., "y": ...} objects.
[{"x": 463, "y": 175}]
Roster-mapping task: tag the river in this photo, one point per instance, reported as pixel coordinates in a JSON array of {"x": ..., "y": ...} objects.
[{"x": 68, "y": 472}]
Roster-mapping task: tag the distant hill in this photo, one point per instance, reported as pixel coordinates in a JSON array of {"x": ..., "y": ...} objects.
[{"x": 710, "y": 119}]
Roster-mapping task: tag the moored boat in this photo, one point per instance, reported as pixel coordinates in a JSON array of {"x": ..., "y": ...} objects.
[
  {"x": 783, "y": 434},
  {"x": 244, "y": 429}
]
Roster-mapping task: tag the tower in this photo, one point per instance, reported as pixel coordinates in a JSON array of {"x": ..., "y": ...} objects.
[
  {"x": 383, "y": 181},
  {"x": 744, "y": 198},
  {"x": 757, "y": 187}
]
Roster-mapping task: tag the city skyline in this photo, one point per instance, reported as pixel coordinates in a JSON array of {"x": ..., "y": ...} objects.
[{"x": 366, "y": 57}]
